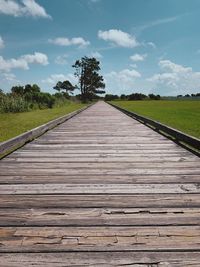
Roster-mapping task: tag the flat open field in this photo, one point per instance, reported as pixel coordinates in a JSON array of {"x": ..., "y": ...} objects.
[
  {"x": 13, "y": 124},
  {"x": 182, "y": 115}
]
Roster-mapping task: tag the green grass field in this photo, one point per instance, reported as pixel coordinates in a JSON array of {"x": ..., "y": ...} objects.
[
  {"x": 182, "y": 115},
  {"x": 13, "y": 124}
]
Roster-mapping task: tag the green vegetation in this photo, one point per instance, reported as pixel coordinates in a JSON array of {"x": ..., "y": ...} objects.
[
  {"x": 133, "y": 96},
  {"x": 30, "y": 97},
  {"x": 182, "y": 115},
  {"x": 90, "y": 83},
  {"x": 13, "y": 124}
]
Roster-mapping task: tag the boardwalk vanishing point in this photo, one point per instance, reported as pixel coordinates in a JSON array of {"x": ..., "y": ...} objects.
[{"x": 100, "y": 189}]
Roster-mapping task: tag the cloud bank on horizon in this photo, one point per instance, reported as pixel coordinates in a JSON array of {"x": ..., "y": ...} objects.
[{"x": 143, "y": 46}]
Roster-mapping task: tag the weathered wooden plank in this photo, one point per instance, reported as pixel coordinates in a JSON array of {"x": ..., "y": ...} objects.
[
  {"x": 91, "y": 171},
  {"x": 101, "y": 201},
  {"x": 98, "y": 179},
  {"x": 92, "y": 158},
  {"x": 43, "y": 239},
  {"x": 100, "y": 165},
  {"x": 128, "y": 146},
  {"x": 100, "y": 217},
  {"x": 103, "y": 142},
  {"x": 100, "y": 188},
  {"x": 16, "y": 142},
  {"x": 145, "y": 152},
  {"x": 105, "y": 259}
]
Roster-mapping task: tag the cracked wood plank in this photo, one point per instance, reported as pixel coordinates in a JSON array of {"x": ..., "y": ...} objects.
[
  {"x": 99, "y": 216},
  {"x": 44, "y": 239},
  {"x": 105, "y": 259}
]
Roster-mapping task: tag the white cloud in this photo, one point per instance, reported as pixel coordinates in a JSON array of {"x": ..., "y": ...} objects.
[
  {"x": 123, "y": 80},
  {"x": 37, "y": 58},
  {"x": 152, "y": 44},
  {"x": 26, "y": 8},
  {"x": 62, "y": 41},
  {"x": 54, "y": 78},
  {"x": 1, "y": 43},
  {"x": 34, "y": 9},
  {"x": 176, "y": 79},
  {"x": 134, "y": 66},
  {"x": 119, "y": 38},
  {"x": 7, "y": 65},
  {"x": 10, "y": 77},
  {"x": 22, "y": 62},
  {"x": 61, "y": 60},
  {"x": 138, "y": 57},
  {"x": 96, "y": 55},
  {"x": 169, "y": 65}
]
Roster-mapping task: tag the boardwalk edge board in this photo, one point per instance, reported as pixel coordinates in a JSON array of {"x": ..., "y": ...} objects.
[
  {"x": 14, "y": 143},
  {"x": 188, "y": 142}
]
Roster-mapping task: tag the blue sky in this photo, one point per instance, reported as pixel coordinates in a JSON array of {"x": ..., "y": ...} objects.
[{"x": 149, "y": 46}]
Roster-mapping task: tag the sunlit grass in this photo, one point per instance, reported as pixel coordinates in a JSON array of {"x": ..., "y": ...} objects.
[
  {"x": 182, "y": 115},
  {"x": 13, "y": 124}
]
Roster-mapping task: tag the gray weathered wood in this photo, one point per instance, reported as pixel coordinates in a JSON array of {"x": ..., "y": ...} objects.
[
  {"x": 100, "y": 189},
  {"x": 99, "y": 217},
  {"x": 14, "y": 143},
  {"x": 94, "y": 238},
  {"x": 105, "y": 259},
  {"x": 178, "y": 136}
]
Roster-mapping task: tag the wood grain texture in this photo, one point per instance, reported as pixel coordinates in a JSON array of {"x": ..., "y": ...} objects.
[
  {"x": 100, "y": 189},
  {"x": 105, "y": 259},
  {"x": 94, "y": 238},
  {"x": 15, "y": 142},
  {"x": 99, "y": 216}
]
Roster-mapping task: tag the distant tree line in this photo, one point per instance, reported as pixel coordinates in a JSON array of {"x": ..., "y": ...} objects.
[
  {"x": 134, "y": 96},
  {"x": 187, "y": 95}
]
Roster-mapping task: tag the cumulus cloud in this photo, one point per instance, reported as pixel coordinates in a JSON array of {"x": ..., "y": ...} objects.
[
  {"x": 37, "y": 58},
  {"x": 138, "y": 57},
  {"x": 23, "y": 62},
  {"x": 121, "y": 80},
  {"x": 54, "y": 78},
  {"x": 118, "y": 38},
  {"x": 1, "y": 43},
  {"x": 175, "y": 78},
  {"x": 10, "y": 77},
  {"x": 151, "y": 44},
  {"x": 134, "y": 66},
  {"x": 25, "y": 8},
  {"x": 62, "y": 41}
]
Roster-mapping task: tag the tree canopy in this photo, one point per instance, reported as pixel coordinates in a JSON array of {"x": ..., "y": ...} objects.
[
  {"x": 90, "y": 82},
  {"x": 66, "y": 86}
]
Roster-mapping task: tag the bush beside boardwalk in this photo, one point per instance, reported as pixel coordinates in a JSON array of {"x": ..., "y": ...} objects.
[{"x": 29, "y": 97}]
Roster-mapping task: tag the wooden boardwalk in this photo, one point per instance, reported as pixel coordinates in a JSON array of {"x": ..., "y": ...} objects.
[{"x": 100, "y": 189}]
